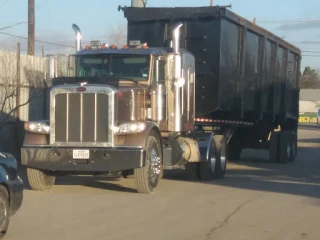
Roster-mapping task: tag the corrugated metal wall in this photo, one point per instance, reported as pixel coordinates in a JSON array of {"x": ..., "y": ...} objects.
[{"x": 26, "y": 75}]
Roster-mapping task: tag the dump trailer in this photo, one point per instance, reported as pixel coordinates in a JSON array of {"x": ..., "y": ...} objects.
[
  {"x": 193, "y": 87},
  {"x": 246, "y": 77}
]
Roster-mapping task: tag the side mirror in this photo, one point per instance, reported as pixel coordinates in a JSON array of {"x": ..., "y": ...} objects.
[{"x": 179, "y": 82}]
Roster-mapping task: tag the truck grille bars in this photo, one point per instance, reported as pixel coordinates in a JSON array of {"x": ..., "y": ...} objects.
[{"x": 82, "y": 119}]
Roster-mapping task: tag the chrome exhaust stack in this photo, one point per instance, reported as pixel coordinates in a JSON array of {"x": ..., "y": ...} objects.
[
  {"x": 178, "y": 78},
  {"x": 77, "y": 31}
]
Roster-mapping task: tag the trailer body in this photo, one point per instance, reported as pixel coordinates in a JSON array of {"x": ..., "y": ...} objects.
[{"x": 243, "y": 72}]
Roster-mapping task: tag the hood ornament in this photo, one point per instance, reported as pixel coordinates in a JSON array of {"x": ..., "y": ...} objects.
[{"x": 83, "y": 83}]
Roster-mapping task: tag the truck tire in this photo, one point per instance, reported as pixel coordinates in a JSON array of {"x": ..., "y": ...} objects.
[
  {"x": 39, "y": 181},
  {"x": 285, "y": 146},
  {"x": 192, "y": 170},
  {"x": 274, "y": 147},
  {"x": 147, "y": 177},
  {"x": 215, "y": 168},
  {"x": 234, "y": 150},
  {"x": 4, "y": 211},
  {"x": 294, "y": 147}
]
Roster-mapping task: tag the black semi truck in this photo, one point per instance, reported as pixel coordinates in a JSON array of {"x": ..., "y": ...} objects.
[
  {"x": 193, "y": 87},
  {"x": 247, "y": 79}
]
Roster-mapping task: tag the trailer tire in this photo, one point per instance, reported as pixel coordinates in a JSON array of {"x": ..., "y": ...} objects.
[
  {"x": 39, "y": 181},
  {"x": 274, "y": 147},
  {"x": 285, "y": 147},
  {"x": 192, "y": 170},
  {"x": 147, "y": 177},
  {"x": 293, "y": 147},
  {"x": 215, "y": 168},
  {"x": 233, "y": 151}
]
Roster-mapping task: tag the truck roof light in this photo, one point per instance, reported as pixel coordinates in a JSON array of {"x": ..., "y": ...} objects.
[
  {"x": 114, "y": 47},
  {"x": 125, "y": 47},
  {"x": 87, "y": 47},
  {"x": 104, "y": 46},
  {"x": 145, "y": 46}
]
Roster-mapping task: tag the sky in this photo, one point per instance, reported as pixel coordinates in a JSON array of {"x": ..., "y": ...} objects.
[{"x": 296, "y": 21}]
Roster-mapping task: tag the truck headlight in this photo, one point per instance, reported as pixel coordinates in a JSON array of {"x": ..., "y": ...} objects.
[
  {"x": 130, "y": 128},
  {"x": 37, "y": 127}
]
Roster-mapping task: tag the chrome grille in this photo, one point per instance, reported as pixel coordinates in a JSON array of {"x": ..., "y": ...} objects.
[{"x": 82, "y": 119}]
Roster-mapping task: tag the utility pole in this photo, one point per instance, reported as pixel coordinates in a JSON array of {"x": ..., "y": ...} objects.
[
  {"x": 31, "y": 27},
  {"x": 211, "y": 3},
  {"x": 138, "y": 3}
]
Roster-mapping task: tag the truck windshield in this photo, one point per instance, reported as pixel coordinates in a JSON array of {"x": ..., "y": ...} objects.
[{"x": 131, "y": 67}]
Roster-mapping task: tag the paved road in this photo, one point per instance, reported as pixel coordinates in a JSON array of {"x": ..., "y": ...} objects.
[{"x": 256, "y": 200}]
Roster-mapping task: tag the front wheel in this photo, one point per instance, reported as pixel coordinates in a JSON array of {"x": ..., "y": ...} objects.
[
  {"x": 147, "y": 177},
  {"x": 39, "y": 181}
]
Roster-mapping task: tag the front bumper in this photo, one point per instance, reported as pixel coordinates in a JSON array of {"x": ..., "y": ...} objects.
[{"x": 100, "y": 160}]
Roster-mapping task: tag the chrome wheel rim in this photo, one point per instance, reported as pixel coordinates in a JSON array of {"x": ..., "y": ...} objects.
[
  {"x": 155, "y": 167},
  {"x": 3, "y": 214},
  {"x": 212, "y": 161},
  {"x": 223, "y": 158},
  {"x": 288, "y": 150}
]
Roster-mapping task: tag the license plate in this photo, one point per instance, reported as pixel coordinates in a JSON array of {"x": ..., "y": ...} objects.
[{"x": 81, "y": 154}]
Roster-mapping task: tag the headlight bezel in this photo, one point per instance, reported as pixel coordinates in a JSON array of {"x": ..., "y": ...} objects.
[{"x": 129, "y": 128}]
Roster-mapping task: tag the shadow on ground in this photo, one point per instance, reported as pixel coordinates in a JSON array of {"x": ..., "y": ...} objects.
[
  {"x": 99, "y": 182},
  {"x": 255, "y": 172}
]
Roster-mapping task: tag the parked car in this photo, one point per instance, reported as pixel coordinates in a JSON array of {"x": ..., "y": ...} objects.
[{"x": 11, "y": 190}]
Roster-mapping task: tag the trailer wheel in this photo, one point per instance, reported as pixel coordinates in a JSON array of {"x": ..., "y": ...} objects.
[
  {"x": 285, "y": 147},
  {"x": 39, "y": 181},
  {"x": 274, "y": 147},
  {"x": 147, "y": 177},
  {"x": 216, "y": 166},
  {"x": 192, "y": 170},
  {"x": 293, "y": 147},
  {"x": 234, "y": 150}
]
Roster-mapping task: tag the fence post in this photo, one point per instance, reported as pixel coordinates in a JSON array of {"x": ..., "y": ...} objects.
[{"x": 18, "y": 81}]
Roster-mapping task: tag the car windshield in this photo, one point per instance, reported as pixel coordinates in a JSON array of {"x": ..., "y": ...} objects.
[{"x": 126, "y": 67}]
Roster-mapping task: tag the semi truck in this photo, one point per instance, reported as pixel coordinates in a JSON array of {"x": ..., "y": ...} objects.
[{"x": 192, "y": 88}]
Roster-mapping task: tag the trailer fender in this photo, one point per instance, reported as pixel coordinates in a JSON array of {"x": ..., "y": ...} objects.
[{"x": 139, "y": 139}]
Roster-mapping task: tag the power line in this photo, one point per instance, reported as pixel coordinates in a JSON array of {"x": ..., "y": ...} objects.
[
  {"x": 12, "y": 25},
  {"x": 55, "y": 44},
  {"x": 289, "y": 21},
  {"x": 310, "y": 55},
  {"x": 310, "y": 52}
]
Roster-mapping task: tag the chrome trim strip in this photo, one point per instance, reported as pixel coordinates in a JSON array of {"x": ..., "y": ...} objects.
[
  {"x": 81, "y": 116},
  {"x": 67, "y": 120},
  {"x": 95, "y": 116}
]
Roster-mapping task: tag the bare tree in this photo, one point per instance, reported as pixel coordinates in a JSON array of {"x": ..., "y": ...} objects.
[
  {"x": 17, "y": 83},
  {"x": 310, "y": 78},
  {"x": 118, "y": 35}
]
